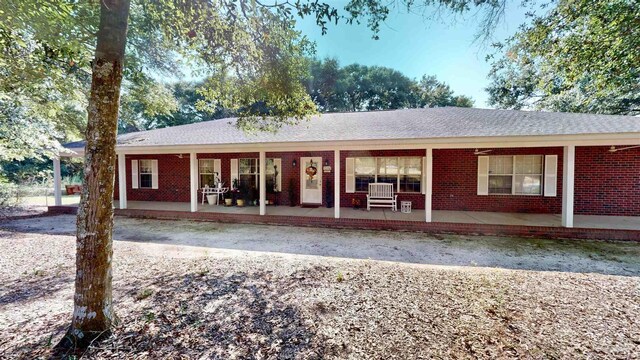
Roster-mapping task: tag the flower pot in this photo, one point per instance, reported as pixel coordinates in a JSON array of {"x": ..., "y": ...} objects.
[
  {"x": 228, "y": 202},
  {"x": 211, "y": 199},
  {"x": 240, "y": 202}
]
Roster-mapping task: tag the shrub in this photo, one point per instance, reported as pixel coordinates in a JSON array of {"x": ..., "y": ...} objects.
[{"x": 9, "y": 195}]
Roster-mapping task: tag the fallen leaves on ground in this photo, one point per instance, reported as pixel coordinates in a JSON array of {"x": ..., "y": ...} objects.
[{"x": 269, "y": 306}]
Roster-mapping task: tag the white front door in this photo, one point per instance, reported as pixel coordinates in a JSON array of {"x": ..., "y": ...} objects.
[{"x": 311, "y": 180}]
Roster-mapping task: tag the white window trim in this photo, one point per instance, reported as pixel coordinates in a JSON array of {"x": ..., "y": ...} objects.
[
  {"x": 276, "y": 161},
  {"x": 213, "y": 170},
  {"x": 375, "y": 175},
  {"x": 513, "y": 176},
  {"x": 154, "y": 174}
]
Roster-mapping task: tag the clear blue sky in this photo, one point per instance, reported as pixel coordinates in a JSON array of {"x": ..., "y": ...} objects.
[{"x": 415, "y": 46}]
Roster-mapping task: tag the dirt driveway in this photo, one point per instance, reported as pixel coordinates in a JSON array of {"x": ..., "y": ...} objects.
[
  {"x": 205, "y": 290},
  {"x": 189, "y": 238}
]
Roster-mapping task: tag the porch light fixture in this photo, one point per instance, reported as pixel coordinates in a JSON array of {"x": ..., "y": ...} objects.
[
  {"x": 614, "y": 149},
  {"x": 326, "y": 163},
  {"x": 294, "y": 163},
  {"x": 478, "y": 152}
]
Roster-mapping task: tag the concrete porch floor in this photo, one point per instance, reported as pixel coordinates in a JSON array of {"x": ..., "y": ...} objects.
[{"x": 444, "y": 216}]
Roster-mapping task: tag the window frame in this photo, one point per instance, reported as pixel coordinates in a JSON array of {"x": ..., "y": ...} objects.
[
  {"x": 269, "y": 171},
  {"x": 150, "y": 173},
  {"x": 399, "y": 161},
  {"x": 513, "y": 174},
  {"x": 200, "y": 173}
]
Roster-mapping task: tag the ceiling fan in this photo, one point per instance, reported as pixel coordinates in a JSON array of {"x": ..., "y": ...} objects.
[
  {"x": 478, "y": 152},
  {"x": 615, "y": 149}
]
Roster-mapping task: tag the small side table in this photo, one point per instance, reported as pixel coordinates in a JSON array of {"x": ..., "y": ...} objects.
[{"x": 405, "y": 207}]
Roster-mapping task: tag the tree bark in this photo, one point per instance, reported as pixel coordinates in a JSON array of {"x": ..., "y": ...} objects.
[{"x": 93, "y": 313}]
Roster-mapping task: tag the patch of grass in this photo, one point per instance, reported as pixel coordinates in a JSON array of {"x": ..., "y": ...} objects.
[
  {"x": 141, "y": 295},
  {"x": 149, "y": 316},
  {"x": 49, "y": 341},
  {"x": 340, "y": 277}
]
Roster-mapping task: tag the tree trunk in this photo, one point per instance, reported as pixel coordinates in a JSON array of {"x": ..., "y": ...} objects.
[{"x": 93, "y": 313}]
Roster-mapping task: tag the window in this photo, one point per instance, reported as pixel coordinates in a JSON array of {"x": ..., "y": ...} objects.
[
  {"x": 249, "y": 173},
  {"x": 272, "y": 175},
  {"x": 405, "y": 173},
  {"x": 207, "y": 174},
  {"x": 388, "y": 171},
  {"x": 500, "y": 174},
  {"x": 146, "y": 174},
  {"x": 365, "y": 173},
  {"x": 410, "y": 174},
  {"x": 516, "y": 175},
  {"x": 528, "y": 175}
]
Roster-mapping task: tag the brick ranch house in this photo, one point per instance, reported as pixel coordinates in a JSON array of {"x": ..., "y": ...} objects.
[{"x": 462, "y": 169}]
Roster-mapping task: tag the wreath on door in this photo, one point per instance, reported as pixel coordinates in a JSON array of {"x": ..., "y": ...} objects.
[{"x": 311, "y": 171}]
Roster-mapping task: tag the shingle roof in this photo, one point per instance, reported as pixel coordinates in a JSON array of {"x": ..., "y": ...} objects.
[{"x": 448, "y": 122}]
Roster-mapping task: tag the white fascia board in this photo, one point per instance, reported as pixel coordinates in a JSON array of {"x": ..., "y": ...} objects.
[
  {"x": 398, "y": 144},
  {"x": 70, "y": 153}
]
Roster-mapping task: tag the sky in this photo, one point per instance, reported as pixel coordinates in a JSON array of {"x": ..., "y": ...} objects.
[{"x": 416, "y": 46}]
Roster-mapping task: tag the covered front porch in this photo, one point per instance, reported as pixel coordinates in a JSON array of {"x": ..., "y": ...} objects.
[
  {"x": 438, "y": 216},
  {"x": 452, "y": 189}
]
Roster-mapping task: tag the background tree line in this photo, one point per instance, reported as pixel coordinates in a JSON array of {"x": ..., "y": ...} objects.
[
  {"x": 332, "y": 88},
  {"x": 358, "y": 87}
]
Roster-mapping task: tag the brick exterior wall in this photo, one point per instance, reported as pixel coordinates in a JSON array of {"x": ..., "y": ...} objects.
[
  {"x": 417, "y": 199},
  {"x": 173, "y": 179},
  {"x": 455, "y": 184},
  {"x": 606, "y": 183}
]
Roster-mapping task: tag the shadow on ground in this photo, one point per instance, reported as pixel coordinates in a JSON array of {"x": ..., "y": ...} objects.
[
  {"x": 202, "y": 315},
  {"x": 213, "y": 317},
  {"x": 38, "y": 286}
]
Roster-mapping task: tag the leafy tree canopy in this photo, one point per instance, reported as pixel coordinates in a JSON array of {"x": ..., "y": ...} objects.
[
  {"x": 46, "y": 49},
  {"x": 579, "y": 56},
  {"x": 331, "y": 87},
  {"x": 358, "y": 87}
]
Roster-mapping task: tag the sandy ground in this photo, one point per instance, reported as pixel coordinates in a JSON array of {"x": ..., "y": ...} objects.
[
  {"x": 191, "y": 290},
  {"x": 189, "y": 238}
]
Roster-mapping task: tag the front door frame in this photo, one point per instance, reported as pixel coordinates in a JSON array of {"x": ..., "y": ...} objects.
[{"x": 303, "y": 175}]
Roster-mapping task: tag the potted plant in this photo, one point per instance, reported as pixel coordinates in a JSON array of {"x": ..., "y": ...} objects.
[
  {"x": 234, "y": 192},
  {"x": 243, "y": 194},
  {"x": 355, "y": 203},
  {"x": 253, "y": 195}
]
